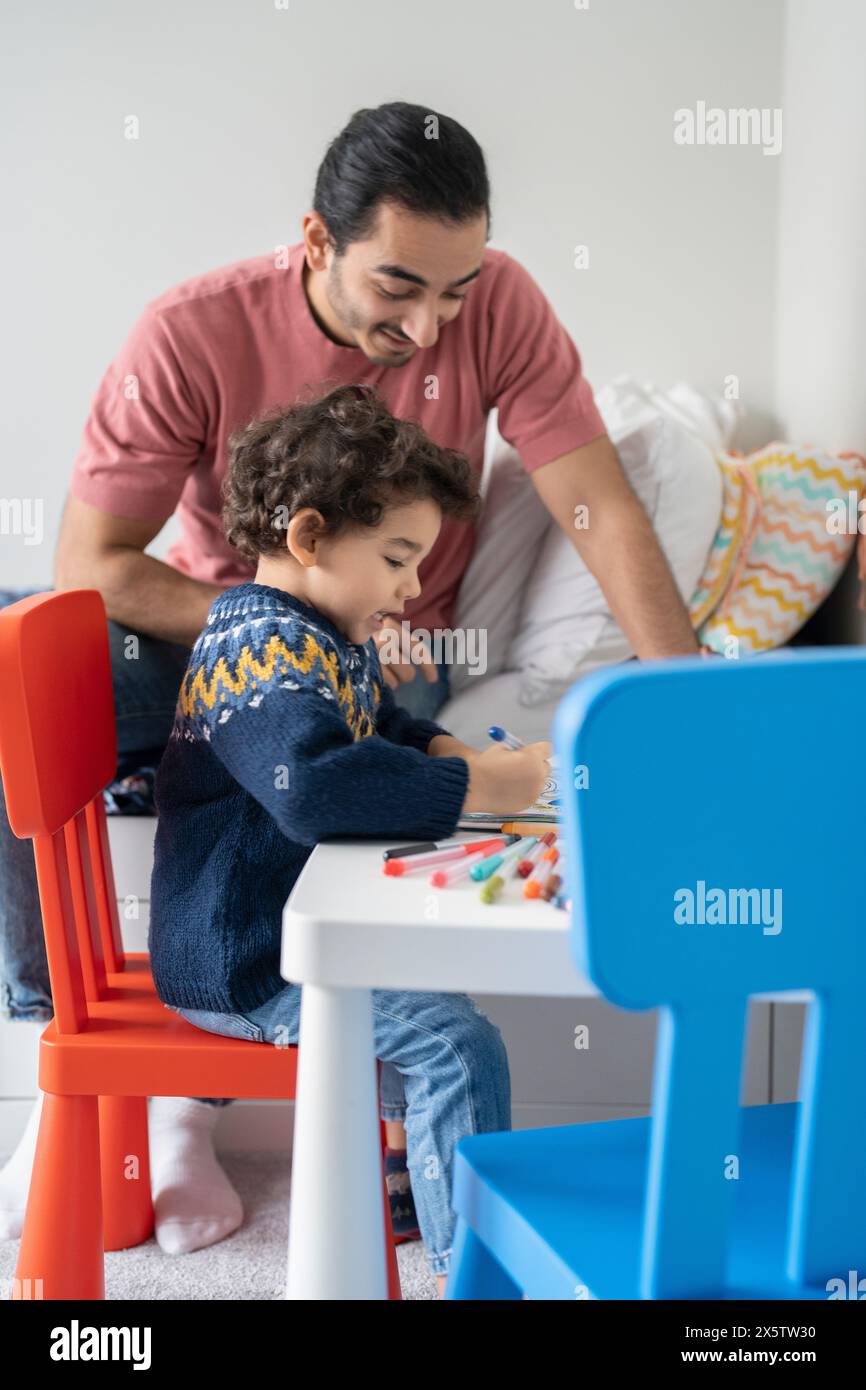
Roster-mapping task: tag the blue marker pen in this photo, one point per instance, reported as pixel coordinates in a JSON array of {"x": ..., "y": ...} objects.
[
  {"x": 487, "y": 866},
  {"x": 500, "y": 735}
]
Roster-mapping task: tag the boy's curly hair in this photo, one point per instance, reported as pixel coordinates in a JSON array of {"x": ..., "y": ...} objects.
[{"x": 343, "y": 453}]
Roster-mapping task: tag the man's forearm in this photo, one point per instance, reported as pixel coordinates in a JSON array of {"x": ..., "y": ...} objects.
[
  {"x": 619, "y": 546},
  {"x": 146, "y": 595},
  {"x": 629, "y": 564}
]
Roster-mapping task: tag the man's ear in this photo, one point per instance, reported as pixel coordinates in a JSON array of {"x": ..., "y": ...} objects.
[{"x": 304, "y": 535}]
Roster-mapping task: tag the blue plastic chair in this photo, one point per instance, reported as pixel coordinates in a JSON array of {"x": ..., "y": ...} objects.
[{"x": 737, "y": 776}]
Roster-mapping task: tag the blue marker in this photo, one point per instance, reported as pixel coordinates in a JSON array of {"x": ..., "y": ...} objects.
[
  {"x": 500, "y": 735},
  {"x": 486, "y": 866}
]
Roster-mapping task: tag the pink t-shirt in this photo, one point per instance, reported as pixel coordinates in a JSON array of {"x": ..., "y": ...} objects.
[{"x": 209, "y": 354}]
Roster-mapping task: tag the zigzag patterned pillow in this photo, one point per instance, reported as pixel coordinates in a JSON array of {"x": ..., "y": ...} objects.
[
  {"x": 777, "y": 553},
  {"x": 728, "y": 541}
]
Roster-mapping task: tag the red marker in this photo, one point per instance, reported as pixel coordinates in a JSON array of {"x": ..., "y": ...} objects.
[
  {"x": 457, "y": 871},
  {"x": 394, "y": 867},
  {"x": 431, "y": 846},
  {"x": 526, "y": 865}
]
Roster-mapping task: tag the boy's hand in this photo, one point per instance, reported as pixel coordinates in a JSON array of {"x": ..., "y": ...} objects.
[
  {"x": 505, "y": 780},
  {"x": 396, "y": 673},
  {"x": 445, "y": 746}
]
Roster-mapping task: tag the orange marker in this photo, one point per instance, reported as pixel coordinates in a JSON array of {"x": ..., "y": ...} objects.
[
  {"x": 524, "y": 827},
  {"x": 537, "y": 879}
]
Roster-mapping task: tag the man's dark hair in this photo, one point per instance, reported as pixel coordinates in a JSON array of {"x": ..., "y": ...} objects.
[
  {"x": 387, "y": 153},
  {"x": 343, "y": 453}
]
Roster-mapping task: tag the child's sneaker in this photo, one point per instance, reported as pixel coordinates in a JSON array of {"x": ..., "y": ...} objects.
[{"x": 404, "y": 1220}]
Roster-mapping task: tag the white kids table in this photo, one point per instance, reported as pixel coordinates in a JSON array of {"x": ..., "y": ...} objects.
[{"x": 347, "y": 929}]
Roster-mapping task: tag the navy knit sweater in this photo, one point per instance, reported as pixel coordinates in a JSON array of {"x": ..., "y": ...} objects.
[{"x": 285, "y": 734}]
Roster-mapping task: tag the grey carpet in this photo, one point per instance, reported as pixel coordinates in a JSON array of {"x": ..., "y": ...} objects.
[{"x": 249, "y": 1264}]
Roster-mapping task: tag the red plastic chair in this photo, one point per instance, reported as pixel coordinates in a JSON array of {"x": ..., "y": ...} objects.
[{"x": 111, "y": 1043}]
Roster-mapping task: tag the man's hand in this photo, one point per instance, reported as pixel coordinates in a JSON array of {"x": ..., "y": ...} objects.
[
  {"x": 396, "y": 673},
  {"x": 618, "y": 545}
]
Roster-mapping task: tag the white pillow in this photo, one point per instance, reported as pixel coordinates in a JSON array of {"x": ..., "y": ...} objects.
[
  {"x": 512, "y": 525},
  {"x": 566, "y": 627},
  {"x": 565, "y": 615},
  {"x": 544, "y": 616},
  {"x": 713, "y": 419}
]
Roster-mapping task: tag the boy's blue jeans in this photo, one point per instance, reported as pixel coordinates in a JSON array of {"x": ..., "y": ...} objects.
[
  {"x": 450, "y": 1059},
  {"x": 421, "y": 1038}
]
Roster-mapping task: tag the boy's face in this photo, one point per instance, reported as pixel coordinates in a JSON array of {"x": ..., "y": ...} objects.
[{"x": 363, "y": 574}]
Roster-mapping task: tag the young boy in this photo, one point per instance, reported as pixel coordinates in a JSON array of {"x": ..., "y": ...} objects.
[{"x": 286, "y": 734}]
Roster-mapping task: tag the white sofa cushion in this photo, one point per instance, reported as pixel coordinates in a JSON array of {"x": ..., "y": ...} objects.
[
  {"x": 526, "y": 580},
  {"x": 512, "y": 526},
  {"x": 565, "y": 626}
]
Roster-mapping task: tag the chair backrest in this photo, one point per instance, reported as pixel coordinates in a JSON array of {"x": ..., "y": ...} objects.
[
  {"x": 713, "y": 852},
  {"x": 57, "y": 752}
]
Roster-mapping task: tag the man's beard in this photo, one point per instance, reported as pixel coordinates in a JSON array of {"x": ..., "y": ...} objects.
[{"x": 350, "y": 317}]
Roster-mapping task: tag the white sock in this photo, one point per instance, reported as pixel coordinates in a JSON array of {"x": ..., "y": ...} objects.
[
  {"x": 194, "y": 1202},
  {"x": 15, "y": 1177}
]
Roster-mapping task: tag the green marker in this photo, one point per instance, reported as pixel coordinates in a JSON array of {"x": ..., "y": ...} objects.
[{"x": 491, "y": 889}]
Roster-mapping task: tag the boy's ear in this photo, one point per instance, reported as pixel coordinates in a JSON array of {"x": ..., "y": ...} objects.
[{"x": 304, "y": 533}]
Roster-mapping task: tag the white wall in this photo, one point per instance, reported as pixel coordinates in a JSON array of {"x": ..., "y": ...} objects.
[
  {"x": 237, "y": 102},
  {"x": 820, "y": 387},
  {"x": 821, "y": 290}
]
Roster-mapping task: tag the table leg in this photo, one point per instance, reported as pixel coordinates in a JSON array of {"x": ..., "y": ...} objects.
[{"x": 336, "y": 1213}]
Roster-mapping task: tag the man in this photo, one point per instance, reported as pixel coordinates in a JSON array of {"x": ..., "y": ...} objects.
[{"x": 392, "y": 284}]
